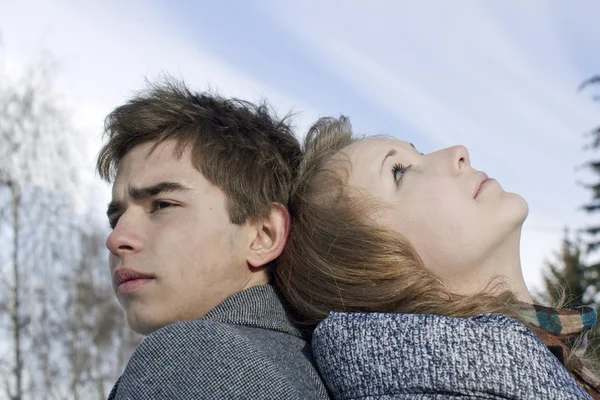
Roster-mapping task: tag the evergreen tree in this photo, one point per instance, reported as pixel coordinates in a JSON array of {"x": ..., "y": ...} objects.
[
  {"x": 568, "y": 277},
  {"x": 593, "y": 231}
]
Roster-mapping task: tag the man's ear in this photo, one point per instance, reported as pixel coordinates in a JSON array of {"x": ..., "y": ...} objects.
[{"x": 271, "y": 236}]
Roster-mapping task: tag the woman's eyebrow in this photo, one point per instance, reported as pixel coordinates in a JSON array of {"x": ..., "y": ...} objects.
[
  {"x": 393, "y": 152},
  {"x": 390, "y": 153}
]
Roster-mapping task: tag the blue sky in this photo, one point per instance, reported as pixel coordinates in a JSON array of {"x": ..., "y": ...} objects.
[{"x": 499, "y": 77}]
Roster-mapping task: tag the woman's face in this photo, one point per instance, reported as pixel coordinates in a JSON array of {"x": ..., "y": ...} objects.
[{"x": 456, "y": 218}]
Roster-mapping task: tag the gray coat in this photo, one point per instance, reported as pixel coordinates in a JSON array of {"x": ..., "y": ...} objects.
[
  {"x": 245, "y": 348},
  {"x": 426, "y": 357}
]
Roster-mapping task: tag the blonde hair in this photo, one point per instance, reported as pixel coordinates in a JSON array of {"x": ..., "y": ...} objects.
[{"x": 336, "y": 259}]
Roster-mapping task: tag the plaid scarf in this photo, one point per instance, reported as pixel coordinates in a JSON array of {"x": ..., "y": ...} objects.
[{"x": 560, "y": 330}]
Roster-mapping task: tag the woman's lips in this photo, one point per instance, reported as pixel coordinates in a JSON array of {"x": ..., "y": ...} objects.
[{"x": 483, "y": 184}]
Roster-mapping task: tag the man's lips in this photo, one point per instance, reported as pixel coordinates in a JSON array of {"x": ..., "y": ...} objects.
[{"x": 129, "y": 277}]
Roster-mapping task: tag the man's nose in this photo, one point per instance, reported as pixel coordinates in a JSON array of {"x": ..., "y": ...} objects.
[{"x": 124, "y": 239}]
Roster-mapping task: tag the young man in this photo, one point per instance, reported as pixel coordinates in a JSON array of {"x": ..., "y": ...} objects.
[{"x": 198, "y": 211}]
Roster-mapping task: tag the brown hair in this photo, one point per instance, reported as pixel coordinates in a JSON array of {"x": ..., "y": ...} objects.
[
  {"x": 336, "y": 259},
  {"x": 240, "y": 147}
]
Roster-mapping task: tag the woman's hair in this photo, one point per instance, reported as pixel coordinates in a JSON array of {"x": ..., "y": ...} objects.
[{"x": 338, "y": 259}]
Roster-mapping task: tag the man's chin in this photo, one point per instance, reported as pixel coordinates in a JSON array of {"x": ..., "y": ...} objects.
[{"x": 142, "y": 324}]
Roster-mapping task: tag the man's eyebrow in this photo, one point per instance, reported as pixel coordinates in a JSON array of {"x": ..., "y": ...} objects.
[
  {"x": 116, "y": 207},
  {"x": 155, "y": 190},
  {"x": 390, "y": 153}
]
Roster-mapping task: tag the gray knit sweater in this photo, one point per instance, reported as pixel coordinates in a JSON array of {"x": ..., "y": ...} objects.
[
  {"x": 245, "y": 348},
  {"x": 407, "y": 356}
]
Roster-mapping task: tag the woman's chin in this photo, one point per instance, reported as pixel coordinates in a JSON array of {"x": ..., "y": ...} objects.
[{"x": 517, "y": 209}]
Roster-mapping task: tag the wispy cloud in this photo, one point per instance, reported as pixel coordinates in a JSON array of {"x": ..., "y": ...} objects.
[
  {"x": 498, "y": 77},
  {"x": 460, "y": 72}
]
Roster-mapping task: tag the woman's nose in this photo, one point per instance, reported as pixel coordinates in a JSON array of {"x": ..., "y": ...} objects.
[{"x": 460, "y": 157}]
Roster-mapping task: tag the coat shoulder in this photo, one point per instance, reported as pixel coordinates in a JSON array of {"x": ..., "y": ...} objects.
[{"x": 205, "y": 359}]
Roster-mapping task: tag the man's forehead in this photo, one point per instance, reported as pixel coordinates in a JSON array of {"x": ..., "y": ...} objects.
[
  {"x": 150, "y": 154},
  {"x": 152, "y": 151},
  {"x": 148, "y": 163}
]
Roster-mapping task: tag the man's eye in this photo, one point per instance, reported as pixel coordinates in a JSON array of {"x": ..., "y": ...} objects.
[
  {"x": 112, "y": 222},
  {"x": 159, "y": 205},
  {"x": 398, "y": 171}
]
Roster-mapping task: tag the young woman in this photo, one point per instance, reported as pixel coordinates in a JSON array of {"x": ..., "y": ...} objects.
[{"x": 409, "y": 264}]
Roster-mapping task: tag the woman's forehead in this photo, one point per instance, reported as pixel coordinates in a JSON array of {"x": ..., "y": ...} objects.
[{"x": 370, "y": 147}]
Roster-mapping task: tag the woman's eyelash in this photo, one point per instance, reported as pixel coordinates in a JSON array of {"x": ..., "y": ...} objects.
[{"x": 398, "y": 171}]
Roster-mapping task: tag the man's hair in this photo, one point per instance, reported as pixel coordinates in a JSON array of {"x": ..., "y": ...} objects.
[{"x": 240, "y": 147}]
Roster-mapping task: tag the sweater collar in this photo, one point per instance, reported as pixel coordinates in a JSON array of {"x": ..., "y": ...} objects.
[
  {"x": 361, "y": 354},
  {"x": 259, "y": 306}
]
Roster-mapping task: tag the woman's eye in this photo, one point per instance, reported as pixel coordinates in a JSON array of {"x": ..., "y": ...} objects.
[{"x": 398, "y": 171}]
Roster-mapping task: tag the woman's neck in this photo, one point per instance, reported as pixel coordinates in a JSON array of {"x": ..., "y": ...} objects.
[{"x": 506, "y": 263}]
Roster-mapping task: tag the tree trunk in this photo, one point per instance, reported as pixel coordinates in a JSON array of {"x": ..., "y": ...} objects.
[{"x": 15, "y": 296}]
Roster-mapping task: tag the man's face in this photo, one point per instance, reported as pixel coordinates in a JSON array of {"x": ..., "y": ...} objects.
[{"x": 174, "y": 254}]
